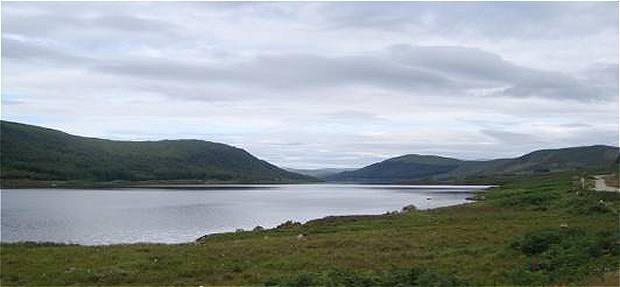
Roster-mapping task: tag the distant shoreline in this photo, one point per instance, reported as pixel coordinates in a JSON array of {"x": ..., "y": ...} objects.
[
  {"x": 210, "y": 185},
  {"x": 77, "y": 184},
  {"x": 23, "y": 184}
]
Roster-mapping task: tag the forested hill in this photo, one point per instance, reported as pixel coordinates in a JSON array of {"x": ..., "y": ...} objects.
[
  {"x": 416, "y": 168},
  {"x": 36, "y": 153}
]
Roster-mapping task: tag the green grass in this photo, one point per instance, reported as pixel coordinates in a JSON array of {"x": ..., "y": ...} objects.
[{"x": 531, "y": 231}]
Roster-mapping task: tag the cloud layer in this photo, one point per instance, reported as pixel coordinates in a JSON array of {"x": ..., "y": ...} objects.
[{"x": 319, "y": 84}]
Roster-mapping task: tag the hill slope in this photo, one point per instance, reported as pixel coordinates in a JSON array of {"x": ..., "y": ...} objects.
[
  {"x": 399, "y": 169},
  {"x": 36, "y": 153},
  {"x": 319, "y": 172},
  {"x": 409, "y": 168}
]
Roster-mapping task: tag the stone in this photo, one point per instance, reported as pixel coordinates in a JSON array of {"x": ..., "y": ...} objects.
[{"x": 410, "y": 208}]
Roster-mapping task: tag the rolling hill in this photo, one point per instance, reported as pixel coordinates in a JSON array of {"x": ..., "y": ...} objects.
[
  {"x": 399, "y": 169},
  {"x": 36, "y": 153},
  {"x": 319, "y": 172},
  {"x": 415, "y": 168}
]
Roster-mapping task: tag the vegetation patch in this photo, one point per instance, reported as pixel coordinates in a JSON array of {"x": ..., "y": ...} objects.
[
  {"x": 395, "y": 277},
  {"x": 565, "y": 255}
]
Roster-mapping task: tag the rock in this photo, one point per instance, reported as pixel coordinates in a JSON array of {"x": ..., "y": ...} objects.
[
  {"x": 289, "y": 224},
  {"x": 301, "y": 236},
  {"x": 474, "y": 198},
  {"x": 258, "y": 228},
  {"x": 202, "y": 238},
  {"x": 410, "y": 208},
  {"x": 564, "y": 225}
]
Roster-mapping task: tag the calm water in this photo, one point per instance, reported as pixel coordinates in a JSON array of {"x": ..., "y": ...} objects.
[{"x": 184, "y": 214}]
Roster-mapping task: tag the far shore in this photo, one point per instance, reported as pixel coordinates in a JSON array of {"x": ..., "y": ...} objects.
[{"x": 197, "y": 184}]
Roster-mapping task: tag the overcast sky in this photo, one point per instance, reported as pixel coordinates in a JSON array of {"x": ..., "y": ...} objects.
[{"x": 311, "y": 85}]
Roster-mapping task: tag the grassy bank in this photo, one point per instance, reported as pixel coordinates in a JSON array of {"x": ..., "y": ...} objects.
[{"x": 537, "y": 230}]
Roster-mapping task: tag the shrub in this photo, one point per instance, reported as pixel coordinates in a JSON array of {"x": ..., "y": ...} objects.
[
  {"x": 396, "y": 277},
  {"x": 289, "y": 224},
  {"x": 539, "y": 241},
  {"x": 592, "y": 203},
  {"x": 565, "y": 255},
  {"x": 531, "y": 199}
]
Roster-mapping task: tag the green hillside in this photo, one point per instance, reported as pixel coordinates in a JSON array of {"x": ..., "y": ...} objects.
[
  {"x": 412, "y": 168},
  {"x": 400, "y": 169},
  {"x": 34, "y": 153}
]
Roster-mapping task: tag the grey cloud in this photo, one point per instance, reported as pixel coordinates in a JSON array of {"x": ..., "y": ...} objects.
[
  {"x": 353, "y": 116},
  {"x": 289, "y": 71},
  {"x": 36, "y": 26},
  {"x": 575, "y": 135},
  {"x": 45, "y": 21},
  {"x": 443, "y": 70},
  {"x": 508, "y": 137},
  {"x": 487, "y": 19},
  {"x": 555, "y": 85},
  {"x": 575, "y": 125},
  {"x": 440, "y": 70},
  {"x": 463, "y": 62},
  {"x": 603, "y": 76},
  {"x": 128, "y": 23},
  {"x": 11, "y": 102},
  {"x": 22, "y": 50},
  {"x": 486, "y": 68}
]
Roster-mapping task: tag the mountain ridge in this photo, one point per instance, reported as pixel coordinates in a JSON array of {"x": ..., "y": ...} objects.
[
  {"x": 415, "y": 167},
  {"x": 38, "y": 153}
]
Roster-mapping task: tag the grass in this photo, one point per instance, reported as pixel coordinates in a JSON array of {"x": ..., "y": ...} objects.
[{"x": 531, "y": 231}]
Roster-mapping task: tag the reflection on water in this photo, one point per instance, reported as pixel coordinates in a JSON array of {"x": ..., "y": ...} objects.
[{"x": 182, "y": 214}]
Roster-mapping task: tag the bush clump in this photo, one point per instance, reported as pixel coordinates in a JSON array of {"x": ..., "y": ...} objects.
[
  {"x": 565, "y": 255},
  {"x": 289, "y": 224},
  {"x": 536, "y": 242},
  {"x": 592, "y": 203},
  {"x": 396, "y": 277},
  {"x": 535, "y": 199}
]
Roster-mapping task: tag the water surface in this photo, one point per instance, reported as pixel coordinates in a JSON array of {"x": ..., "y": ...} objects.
[{"x": 182, "y": 214}]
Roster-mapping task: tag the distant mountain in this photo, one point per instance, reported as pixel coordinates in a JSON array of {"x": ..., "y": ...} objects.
[
  {"x": 320, "y": 172},
  {"x": 399, "y": 169},
  {"x": 413, "y": 167},
  {"x": 36, "y": 153}
]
